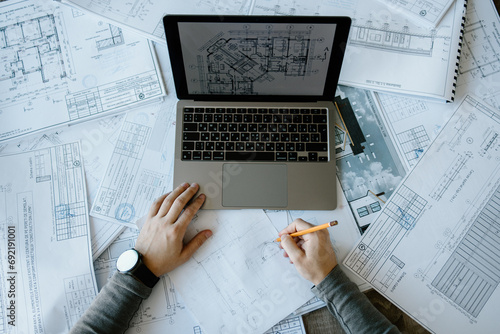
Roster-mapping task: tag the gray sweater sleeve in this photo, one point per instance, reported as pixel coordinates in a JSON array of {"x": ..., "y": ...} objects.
[
  {"x": 351, "y": 307},
  {"x": 114, "y": 306}
]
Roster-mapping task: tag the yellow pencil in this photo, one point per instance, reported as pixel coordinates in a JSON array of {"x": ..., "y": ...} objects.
[{"x": 312, "y": 229}]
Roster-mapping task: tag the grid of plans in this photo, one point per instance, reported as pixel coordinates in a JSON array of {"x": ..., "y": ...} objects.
[
  {"x": 413, "y": 142},
  {"x": 405, "y": 207},
  {"x": 472, "y": 273}
]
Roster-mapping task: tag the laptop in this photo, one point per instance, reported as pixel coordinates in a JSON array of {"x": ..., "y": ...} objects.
[{"x": 255, "y": 118}]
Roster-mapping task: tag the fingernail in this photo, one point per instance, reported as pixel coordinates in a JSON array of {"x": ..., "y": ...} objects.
[
  {"x": 201, "y": 196},
  {"x": 185, "y": 185},
  {"x": 208, "y": 234}
]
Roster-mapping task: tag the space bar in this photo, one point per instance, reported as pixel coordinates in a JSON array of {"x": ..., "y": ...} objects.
[{"x": 250, "y": 156}]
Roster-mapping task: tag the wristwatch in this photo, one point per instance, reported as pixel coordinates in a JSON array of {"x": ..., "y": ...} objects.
[{"x": 130, "y": 263}]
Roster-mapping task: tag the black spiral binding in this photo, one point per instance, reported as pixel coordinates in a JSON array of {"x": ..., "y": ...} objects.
[{"x": 455, "y": 78}]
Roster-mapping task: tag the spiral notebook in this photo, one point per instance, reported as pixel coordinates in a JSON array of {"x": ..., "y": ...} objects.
[{"x": 388, "y": 53}]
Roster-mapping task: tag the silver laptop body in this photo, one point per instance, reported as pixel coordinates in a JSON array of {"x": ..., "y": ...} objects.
[{"x": 232, "y": 73}]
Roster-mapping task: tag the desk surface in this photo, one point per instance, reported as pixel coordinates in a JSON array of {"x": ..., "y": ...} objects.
[{"x": 321, "y": 321}]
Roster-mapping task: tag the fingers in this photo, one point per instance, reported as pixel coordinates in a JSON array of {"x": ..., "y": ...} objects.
[
  {"x": 170, "y": 199},
  {"x": 292, "y": 250},
  {"x": 192, "y": 246},
  {"x": 153, "y": 211},
  {"x": 180, "y": 202},
  {"x": 296, "y": 225},
  {"x": 189, "y": 212}
]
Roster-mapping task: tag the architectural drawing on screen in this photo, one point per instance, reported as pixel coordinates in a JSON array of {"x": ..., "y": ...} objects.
[{"x": 231, "y": 63}]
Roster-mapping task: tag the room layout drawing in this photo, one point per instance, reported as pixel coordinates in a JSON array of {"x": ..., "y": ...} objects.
[
  {"x": 115, "y": 39},
  {"x": 31, "y": 47},
  {"x": 232, "y": 65}
]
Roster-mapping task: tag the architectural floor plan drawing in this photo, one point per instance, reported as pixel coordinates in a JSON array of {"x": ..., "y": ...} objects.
[
  {"x": 54, "y": 73},
  {"x": 433, "y": 250},
  {"x": 40, "y": 53},
  {"x": 115, "y": 39},
  {"x": 241, "y": 272},
  {"x": 252, "y": 59}
]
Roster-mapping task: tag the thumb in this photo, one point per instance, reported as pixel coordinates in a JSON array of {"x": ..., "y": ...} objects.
[
  {"x": 192, "y": 246},
  {"x": 291, "y": 248}
]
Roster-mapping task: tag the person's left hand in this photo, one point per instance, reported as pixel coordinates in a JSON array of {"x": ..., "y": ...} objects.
[{"x": 161, "y": 238}]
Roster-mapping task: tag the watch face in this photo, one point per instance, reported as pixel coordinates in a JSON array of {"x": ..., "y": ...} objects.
[{"x": 127, "y": 260}]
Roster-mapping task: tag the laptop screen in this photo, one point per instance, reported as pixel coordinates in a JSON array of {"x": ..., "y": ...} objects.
[{"x": 255, "y": 57}]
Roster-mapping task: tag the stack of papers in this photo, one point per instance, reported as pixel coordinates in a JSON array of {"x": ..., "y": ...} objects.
[{"x": 87, "y": 127}]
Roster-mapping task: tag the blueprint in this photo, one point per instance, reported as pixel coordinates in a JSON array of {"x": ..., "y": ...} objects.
[
  {"x": 146, "y": 16},
  {"x": 433, "y": 250},
  {"x": 250, "y": 59},
  {"x": 60, "y": 66},
  {"x": 479, "y": 67},
  {"x": 45, "y": 241},
  {"x": 343, "y": 236},
  {"x": 141, "y": 166},
  {"x": 240, "y": 271},
  {"x": 164, "y": 310},
  {"x": 384, "y": 47},
  {"x": 428, "y": 11},
  {"x": 97, "y": 139},
  {"x": 412, "y": 123}
]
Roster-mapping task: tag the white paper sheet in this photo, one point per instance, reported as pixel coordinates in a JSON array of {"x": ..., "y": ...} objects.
[
  {"x": 141, "y": 166},
  {"x": 427, "y": 11},
  {"x": 240, "y": 272},
  {"x": 412, "y": 123},
  {"x": 163, "y": 311},
  {"x": 433, "y": 250},
  {"x": 60, "y": 66},
  {"x": 146, "y": 16},
  {"x": 45, "y": 256},
  {"x": 290, "y": 325},
  {"x": 97, "y": 138},
  {"x": 385, "y": 51}
]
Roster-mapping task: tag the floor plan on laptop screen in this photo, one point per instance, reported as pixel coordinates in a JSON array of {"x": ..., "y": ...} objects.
[{"x": 256, "y": 58}]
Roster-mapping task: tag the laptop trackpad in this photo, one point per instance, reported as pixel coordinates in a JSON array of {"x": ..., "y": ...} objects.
[{"x": 254, "y": 185}]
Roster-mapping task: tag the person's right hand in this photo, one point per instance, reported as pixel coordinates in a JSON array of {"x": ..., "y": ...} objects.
[{"x": 312, "y": 254}]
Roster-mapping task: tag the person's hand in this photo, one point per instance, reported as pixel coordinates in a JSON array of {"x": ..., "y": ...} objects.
[
  {"x": 161, "y": 238},
  {"x": 312, "y": 253}
]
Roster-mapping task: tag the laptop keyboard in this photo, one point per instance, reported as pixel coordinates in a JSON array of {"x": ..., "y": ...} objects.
[{"x": 255, "y": 134}]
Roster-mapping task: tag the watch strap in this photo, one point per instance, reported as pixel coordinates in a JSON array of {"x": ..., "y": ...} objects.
[{"x": 143, "y": 274}]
